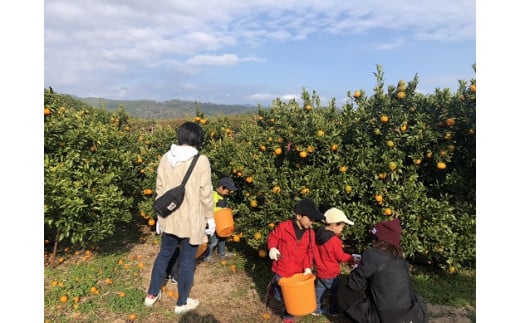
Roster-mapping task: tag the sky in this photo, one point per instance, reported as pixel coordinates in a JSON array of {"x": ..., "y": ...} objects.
[{"x": 251, "y": 52}]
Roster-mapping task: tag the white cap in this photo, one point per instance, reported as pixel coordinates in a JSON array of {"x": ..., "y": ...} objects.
[{"x": 334, "y": 215}]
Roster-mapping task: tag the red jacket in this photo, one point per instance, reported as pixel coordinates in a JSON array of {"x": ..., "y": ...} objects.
[
  {"x": 295, "y": 255},
  {"x": 329, "y": 254}
]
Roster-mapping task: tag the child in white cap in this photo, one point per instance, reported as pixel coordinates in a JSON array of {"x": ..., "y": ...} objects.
[{"x": 328, "y": 256}]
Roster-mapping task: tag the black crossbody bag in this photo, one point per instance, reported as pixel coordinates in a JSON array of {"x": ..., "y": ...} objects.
[{"x": 172, "y": 199}]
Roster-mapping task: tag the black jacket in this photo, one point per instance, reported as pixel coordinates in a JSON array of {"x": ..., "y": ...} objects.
[{"x": 382, "y": 284}]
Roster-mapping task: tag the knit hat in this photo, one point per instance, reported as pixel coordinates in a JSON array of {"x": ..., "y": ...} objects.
[
  {"x": 389, "y": 231},
  {"x": 308, "y": 208},
  {"x": 334, "y": 215}
]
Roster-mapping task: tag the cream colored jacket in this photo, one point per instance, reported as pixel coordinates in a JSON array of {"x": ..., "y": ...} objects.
[{"x": 189, "y": 221}]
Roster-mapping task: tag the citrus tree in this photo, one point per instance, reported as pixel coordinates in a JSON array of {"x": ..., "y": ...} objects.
[{"x": 396, "y": 154}]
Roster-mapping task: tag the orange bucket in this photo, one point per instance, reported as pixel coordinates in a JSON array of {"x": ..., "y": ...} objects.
[
  {"x": 298, "y": 293},
  {"x": 224, "y": 222},
  {"x": 201, "y": 249}
]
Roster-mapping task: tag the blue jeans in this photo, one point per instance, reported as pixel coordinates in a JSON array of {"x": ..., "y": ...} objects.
[
  {"x": 322, "y": 285},
  {"x": 278, "y": 294},
  {"x": 216, "y": 241},
  {"x": 187, "y": 253}
]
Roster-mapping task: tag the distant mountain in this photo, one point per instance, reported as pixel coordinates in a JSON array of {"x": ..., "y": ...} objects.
[{"x": 148, "y": 109}]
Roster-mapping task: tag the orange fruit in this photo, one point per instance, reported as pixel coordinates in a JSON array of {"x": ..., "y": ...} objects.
[
  {"x": 382, "y": 175},
  {"x": 93, "y": 289},
  {"x": 132, "y": 317},
  {"x": 348, "y": 188},
  {"x": 310, "y": 149},
  {"x": 334, "y": 147},
  {"x": 450, "y": 122},
  {"x": 343, "y": 169},
  {"x": 266, "y": 316},
  {"x": 64, "y": 298},
  {"x": 388, "y": 212},
  {"x": 357, "y": 94},
  {"x": 392, "y": 165},
  {"x": 377, "y": 131},
  {"x": 54, "y": 283},
  {"x": 404, "y": 127},
  {"x": 46, "y": 111},
  {"x": 401, "y": 95},
  {"x": 320, "y": 133},
  {"x": 276, "y": 189},
  {"x": 197, "y": 119},
  {"x": 271, "y": 225},
  {"x": 258, "y": 236},
  {"x": 147, "y": 191},
  {"x": 390, "y": 144},
  {"x": 473, "y": 88},
  {"x": 233, "y": 268},
  {"x": 417, "y": 161},
  {"x": 278, "y": 151},
  {"x": 429, "y": 154},
  {"x": 308, "y": 107},
  {"x": 305, "y": 190},
  {"x": 303, "y": 154},
  {"x": 379, "y": 198},
  {"x": 236, "y": 238},
  {"x": 249, "y": 179},
  {"x": 384, "y": 118},
  {"x": 262, "y": 253},
  {"x": 441, "y": 165},
  {"x": 262, "y": 148},
  {"x": 122, "y": 294},
  {"x": 203, "y": 121},
  {"x": 451, "y": 269},
  {"x": 151, "y": 222},
  {"x": 108, "y": 281},
  {"x": 253, "y": 203},
  {"x": 401, "y": 88}
]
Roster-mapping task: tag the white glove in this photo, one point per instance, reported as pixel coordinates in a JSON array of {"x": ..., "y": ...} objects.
[
  {"x": 307, "y": 271},
  {"x": 274, "y": 254},
  {"x": 157, "y": 227},
  {"x": 211, "y": 227}
]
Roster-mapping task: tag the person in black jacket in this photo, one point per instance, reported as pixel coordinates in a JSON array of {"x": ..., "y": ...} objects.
[{"x": 379, "y": 288}]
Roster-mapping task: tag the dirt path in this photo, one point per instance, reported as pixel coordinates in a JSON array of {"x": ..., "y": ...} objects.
[{"x": 234, "y": 297}]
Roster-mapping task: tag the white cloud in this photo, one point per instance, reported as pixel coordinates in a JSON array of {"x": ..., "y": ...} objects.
[{"x": 89, "y": 39}]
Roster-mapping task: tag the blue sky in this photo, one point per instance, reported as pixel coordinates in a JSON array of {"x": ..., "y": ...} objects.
[{"x": 250, "y": 52}]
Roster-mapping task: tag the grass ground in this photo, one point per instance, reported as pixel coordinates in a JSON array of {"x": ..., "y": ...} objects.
[{"x": 109, "y": 283}]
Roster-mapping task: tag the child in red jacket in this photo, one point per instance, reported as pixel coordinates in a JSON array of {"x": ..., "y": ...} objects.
[
  {"x": 328, "y": 256},
  {"x": 291, "y": 246}
]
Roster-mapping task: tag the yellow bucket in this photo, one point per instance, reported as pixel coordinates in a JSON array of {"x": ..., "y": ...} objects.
[
  {"x": 298, "y": 293},
  {"x": 224, "y": 222}
]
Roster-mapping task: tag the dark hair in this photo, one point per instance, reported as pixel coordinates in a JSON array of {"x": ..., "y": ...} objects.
[
  {"x": 383, "y": 245},
  {"x": 190, "y": 133}
]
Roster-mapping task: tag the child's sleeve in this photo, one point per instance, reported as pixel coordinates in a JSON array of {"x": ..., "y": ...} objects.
[{"x": 339, "y": 254}]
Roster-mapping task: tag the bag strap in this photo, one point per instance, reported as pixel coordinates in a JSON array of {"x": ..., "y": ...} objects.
[{"x": 193, "y": 161}]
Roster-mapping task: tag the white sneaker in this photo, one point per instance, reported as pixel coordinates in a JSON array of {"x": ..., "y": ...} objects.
[
  {"x": 191, "y": 304},
  {"x": 149, "y": 301}
]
